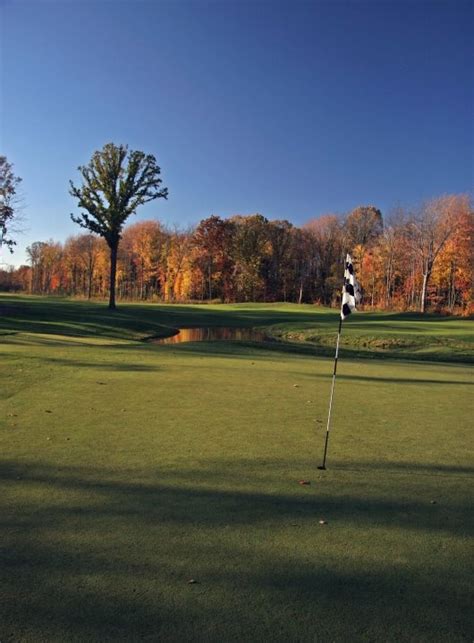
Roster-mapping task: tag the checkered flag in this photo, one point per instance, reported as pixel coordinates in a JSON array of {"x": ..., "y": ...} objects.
[
  {"x": 351, "y": 296},
  {"x": 350, "y": 291}
]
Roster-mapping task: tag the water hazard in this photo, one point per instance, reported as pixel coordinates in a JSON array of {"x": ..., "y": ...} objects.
[{"x": 214, "y": 334}]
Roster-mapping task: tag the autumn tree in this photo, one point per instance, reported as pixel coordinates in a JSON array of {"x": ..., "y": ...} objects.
[
  {"x": 326, "y": 247},
  {"x": 420, "y": 255},
  {"x": 430, "y": 228},
  {"x": 46, "y": 263},
  {"x": 302, "y": 264},
  {"x": 211, "y": 243},
  {"x": 452, "y": 272},
  {"x": 81, "y": 255},
  {"x": 35, "y": 256},
  {"x": 89, "y": 249},
  {"x": 278, "y": 261},
  {"x": 363, "y": 226},
  {"x": 393, "y": 261},
  {"x": 177, "y": 272},
  {"x": 23, "y": 277},
  {"x": 115, "y": 183},
  {"x": 72, "y": 263},
  {"x": 250, "y": 244},
  {"x": 143, "y": 244},
  {"x": 10, "y": 279},
  {"x": 9, "y": 202}
]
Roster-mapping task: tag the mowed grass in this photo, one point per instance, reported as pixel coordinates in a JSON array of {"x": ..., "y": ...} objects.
[{"x": 129, "y": 469}]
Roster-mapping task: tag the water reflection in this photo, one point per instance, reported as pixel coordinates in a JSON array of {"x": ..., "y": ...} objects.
[{"x": 214, "y": 334}]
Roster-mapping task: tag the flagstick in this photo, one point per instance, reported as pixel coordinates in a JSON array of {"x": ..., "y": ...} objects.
[{"x": 323, "y": 466}]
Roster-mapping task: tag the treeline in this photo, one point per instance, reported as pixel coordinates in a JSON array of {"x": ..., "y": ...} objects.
[{"x": 411, "y": 259}]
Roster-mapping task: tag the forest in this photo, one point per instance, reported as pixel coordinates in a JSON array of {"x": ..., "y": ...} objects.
[{"x": 412, "y": 259}]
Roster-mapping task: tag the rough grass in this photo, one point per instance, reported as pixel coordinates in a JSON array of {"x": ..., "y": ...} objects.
[{"x": 129, "y": 468}]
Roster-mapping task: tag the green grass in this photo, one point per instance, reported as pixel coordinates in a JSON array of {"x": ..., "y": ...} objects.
[
  {"x": 129, "y": 468},
  {"x": 305, "y": 329},
  {"x": 393, "y": 335}
]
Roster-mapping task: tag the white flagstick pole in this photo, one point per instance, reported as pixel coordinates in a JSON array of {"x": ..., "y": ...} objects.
[{"x": 328, "y": 426}]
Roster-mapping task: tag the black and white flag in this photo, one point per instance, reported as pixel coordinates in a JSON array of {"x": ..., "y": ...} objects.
[{"x": 350, "y": 291}]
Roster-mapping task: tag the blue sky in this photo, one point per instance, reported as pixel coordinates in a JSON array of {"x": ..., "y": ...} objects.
[{"x": 290, "y": 109}]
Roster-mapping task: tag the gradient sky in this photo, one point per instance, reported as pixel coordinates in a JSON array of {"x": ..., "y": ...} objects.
[{"x": 290, "y": 109}]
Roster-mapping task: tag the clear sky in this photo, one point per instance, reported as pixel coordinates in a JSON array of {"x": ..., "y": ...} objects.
[{"x": 291, "y": 109}]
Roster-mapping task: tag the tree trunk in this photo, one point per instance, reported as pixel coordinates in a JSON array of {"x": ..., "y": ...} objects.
[
  {"x": 73, "y": 285},
  {"x": 210, "y": 279},
  {"x": 300, "y": 295},
  {"x": 388, "y": 283},
  {"x": 452, "y": 288},
  {"x": 412, "y": 293},
  {"x": 423, "y": 292},
  {"x": 113, "y": 272}
]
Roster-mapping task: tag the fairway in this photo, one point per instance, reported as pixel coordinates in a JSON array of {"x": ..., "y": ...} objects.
[{"x": 129, "y": 469}]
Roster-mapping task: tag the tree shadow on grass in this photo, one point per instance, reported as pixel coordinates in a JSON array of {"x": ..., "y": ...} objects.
[
  {"x": 282, "y": 348},
  {"x": 396, "y": 380},
  {"x": 102, "y": 366},
  {"x": 80, "y": 318},
  {"x": 419, "y": 468},
  {"x": 89, "y": 554}
]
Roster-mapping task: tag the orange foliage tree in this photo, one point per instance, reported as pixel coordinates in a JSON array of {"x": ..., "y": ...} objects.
[{"x": 417, "y": 258}]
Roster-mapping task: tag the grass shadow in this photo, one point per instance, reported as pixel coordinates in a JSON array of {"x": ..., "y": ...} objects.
[{"x": 91, "y": 555}]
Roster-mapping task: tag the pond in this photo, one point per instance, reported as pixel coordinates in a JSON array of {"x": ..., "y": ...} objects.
[{"x": 222, "y": 333}]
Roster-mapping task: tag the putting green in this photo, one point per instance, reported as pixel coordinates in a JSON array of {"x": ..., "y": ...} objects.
[{"x": 129, "y": 469}]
